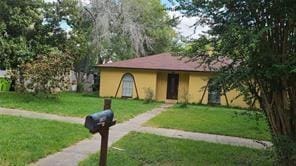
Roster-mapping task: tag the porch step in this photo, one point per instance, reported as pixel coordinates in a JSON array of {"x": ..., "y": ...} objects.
[{"x": 171, "y": 101}]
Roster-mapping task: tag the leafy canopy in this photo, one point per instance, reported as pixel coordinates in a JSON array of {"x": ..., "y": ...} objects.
[{"x": 260, "y": 38}]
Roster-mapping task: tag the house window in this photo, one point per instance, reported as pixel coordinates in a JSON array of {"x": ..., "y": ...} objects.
[
  {"x": 214, "y": 93},
  {"x": 127, "y": 85}
]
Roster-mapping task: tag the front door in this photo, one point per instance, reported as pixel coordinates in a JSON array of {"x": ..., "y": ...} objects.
[{"x": 172, "y": 87}]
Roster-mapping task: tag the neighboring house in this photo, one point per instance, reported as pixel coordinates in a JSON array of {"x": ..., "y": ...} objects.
[
  {"x": 168, "y": 77},
  {"x": 3, "y": 73},
  {"x": 87, "y": 81}
]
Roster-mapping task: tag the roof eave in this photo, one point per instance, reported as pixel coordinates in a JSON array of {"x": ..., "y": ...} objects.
[{"x": 117, "y": 67}]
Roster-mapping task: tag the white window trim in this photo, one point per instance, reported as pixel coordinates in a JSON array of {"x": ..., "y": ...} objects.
[{"x": 127, "y": 85}]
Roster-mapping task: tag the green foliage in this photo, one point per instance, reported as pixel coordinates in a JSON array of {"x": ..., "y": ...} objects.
[
  {"x": 158, "y": 26},
  {"x": 243, "y": 37},
  {"x": 17, "y": 24},
  {"x": 215, "y": 120},
  {"x": 47, "y": 74},
  {"x": 127, "y": 28},
  {"x": 201, "y": 46},
  {"x": 75, "y": 39},
  {"x": 149, "y": 95},
  {"x": 283, "y": 146},
  {"x": 32, "y": 27},
  {"x": 147, "y": 149},
  {"x": 260, "y": 38},
  {"x": 25, "y": 140},
  {"x": 4, "y": 84}
]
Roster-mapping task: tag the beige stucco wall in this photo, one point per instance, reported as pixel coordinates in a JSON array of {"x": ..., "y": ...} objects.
[
  {"x": 161, "y": 86},
  {"x": 233, "y": 99},
  {"x": 183, "y": 89},
  {"x": 110, "y": 80},
  {"x": 197, "y": 82}
]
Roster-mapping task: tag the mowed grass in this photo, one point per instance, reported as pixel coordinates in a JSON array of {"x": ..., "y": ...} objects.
[
  {"x": 74, "y": 104},
  {"x": 25, "y": 140},
  {"x": 146, "y": 149},
  {"x": 214, "y": 120}
]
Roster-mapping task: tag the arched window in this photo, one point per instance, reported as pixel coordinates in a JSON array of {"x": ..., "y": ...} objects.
[{"x": 127, "y": 85}]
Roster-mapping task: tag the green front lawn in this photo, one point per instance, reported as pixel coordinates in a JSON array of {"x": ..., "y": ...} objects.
[
  {"x": 25, "y": 140},
  {"x": 215, "y": 120},
  {"x": 146, "y": 149},
  {"x": 74, "y": 104}
]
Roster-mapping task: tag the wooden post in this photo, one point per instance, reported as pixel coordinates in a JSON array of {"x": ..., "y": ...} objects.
[
  {"x": 224, "y": 92},
  {"x": 204, "y": 92},
  {"x": 107, "y": 104},
  {"x": 104, "y": 136},
  {"x": 104, "y": 145}
]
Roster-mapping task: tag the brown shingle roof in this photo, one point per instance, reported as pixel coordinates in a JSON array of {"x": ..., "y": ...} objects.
[{"x": 165, "y": 61}]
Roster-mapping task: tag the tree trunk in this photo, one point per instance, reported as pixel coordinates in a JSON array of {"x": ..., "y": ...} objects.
[
  {"x": 21, "y": 87},
  {"x": 280, "y": 109},
  {"x": 79, "y": 79}
]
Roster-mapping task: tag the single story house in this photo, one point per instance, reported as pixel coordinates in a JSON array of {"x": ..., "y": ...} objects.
[{"x": 167, "y": 77}]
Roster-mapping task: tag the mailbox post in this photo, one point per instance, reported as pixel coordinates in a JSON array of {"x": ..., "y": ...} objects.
[
  {"x": 107, "y": 104},
  {"x": 104, "y": 136},
  {"x": 101, "y": 122}
]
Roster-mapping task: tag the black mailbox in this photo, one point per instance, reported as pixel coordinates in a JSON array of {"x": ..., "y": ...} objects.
[
  {"x": 101, "y": 122},
  {"x": 94, "y": 121}
]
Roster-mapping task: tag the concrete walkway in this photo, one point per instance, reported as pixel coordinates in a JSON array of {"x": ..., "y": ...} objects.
[
  {"x": 229, "y": 140},
  {"x": 72, "y": 155},
  {"x": 37, "y": 115}
]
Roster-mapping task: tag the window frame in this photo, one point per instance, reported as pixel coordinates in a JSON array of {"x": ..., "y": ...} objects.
[{"x": 127, "y": 85}]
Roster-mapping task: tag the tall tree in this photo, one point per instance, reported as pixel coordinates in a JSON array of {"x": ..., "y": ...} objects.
[
  {"x": 67, "y": 28},
  {"x": 18, "y": 20},
  {"x": 33, "y": 28},
  {"x": 129, "y": 27},
  {"x": 260, "y": 38}
]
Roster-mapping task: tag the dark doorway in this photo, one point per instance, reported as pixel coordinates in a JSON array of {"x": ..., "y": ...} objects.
[{"x": 172, "y": 87}]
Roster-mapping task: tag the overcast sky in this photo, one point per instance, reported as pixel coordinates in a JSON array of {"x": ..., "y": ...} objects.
[{"x": 185, "y": 26}]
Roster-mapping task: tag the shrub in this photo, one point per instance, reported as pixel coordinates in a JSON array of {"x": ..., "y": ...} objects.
[
  {"x": 184, "y": 98},
  {"x": 4, "y": 84},
  {"x": 149, "y": 94},
  {"x": 80, "y": 87},
  {"x": 48, "y": 74}
]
